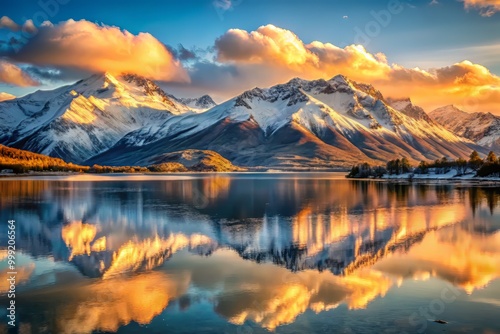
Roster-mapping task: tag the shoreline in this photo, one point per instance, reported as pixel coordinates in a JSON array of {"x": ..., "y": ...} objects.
[
  {"x": 395, "y": 179},
  {"x": 435, "y": 180},
  {"x": 246, "y": 171}
]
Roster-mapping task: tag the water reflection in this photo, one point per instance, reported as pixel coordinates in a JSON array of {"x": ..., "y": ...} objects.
[{"x": 102, "y": 255}]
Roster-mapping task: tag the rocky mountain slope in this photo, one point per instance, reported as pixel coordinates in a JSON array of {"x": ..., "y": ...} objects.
[
  {"x": 78, "y": 121},
  {"x": 129, "y": 120},
  {"x": 320, "y": 123},
  {"x": 481, "y": 128},
  {"x": 407, "y": 107}
]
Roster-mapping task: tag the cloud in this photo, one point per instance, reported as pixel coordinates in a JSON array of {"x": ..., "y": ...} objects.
[
  {"x": 185, "y": 54},
  {"x": 276, "y": 55},
  {"x": 88, "y": 47},
  {"x": 8, "y": 23},
  {"x": 14, "y": 75},
  {"x": 28, "y": 26},
  {"x": 470, "y": 270},
  {"x": 486, "y": 8},
  {"x": 6, "y": 96},
  {"x": 223, "y": 4},
  {"x": 182, "y": 53}
]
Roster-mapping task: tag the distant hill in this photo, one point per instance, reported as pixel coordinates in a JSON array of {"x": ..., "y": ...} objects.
[
  {"x": 198, "y": 161},
  {"x": 21, "y": 161}
]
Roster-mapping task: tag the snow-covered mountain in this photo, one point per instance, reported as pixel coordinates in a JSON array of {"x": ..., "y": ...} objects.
[
  {"x": 199, "y": 104},
  {"x": 319, "y": 123},
  {"x": 481, "y": 128},
  {"x": 78, "y": 121},
  {"x": 129, "y": 120},
  {"x": 407, "y": 107}
]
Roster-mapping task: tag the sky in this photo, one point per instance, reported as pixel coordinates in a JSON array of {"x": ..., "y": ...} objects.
[{"x": 437, "y": 52}]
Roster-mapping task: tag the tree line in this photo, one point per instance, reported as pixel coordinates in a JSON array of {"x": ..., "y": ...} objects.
[
  {"x": 489, "y": 166},
  {"x": 20, "y": 161}
]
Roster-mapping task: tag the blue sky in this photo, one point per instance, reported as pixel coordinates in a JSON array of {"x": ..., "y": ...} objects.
[
  {"x": 421, "y": 34},
  {"x": 416, "y": 34}
]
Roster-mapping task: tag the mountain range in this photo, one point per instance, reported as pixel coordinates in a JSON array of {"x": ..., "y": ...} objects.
[
  {"x": 481, "y": 128},
  {"x": 130, "y": 120}
]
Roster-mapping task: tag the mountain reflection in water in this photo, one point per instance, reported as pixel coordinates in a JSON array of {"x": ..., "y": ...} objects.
[{"x": 98, "y": 255}]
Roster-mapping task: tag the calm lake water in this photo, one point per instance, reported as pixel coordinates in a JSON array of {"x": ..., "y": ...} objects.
[{"x": 250, "y": 253}]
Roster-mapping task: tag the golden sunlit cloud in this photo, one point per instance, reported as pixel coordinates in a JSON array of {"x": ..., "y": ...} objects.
[
  {"x": 469, "y": 260},
  {"x": 86, "y": 46},
  {"x": 13, "y": 75},
  {"x": 278, "y": 297},
  {"x": 282, "y": 55},
  {"x": 486, "y": 7},
  {"x": 108, "y": 305},
  {"x": 6, "y": 96}
]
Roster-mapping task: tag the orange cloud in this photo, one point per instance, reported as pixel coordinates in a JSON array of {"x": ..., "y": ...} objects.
[
  {"x": 6, "y": 96},
  {"x": 282, "y": 55},
  {"x": 486, "y": 7},
  {"x": 83, "y": 45},
  {"x": 470, "y": 260},
  {"x": 13, "y": 75},
  {"x": 108, "y": 305}
]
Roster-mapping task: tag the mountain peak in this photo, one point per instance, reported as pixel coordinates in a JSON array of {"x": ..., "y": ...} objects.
[
  {"x": 340, "y": 78},
  {"x": 448, "y": 109},
  {"x": 296, "y": 81},
  {"x": 197, "y": 104},
  {"x": 406, "y": 106},
  {"x": 401, "y": 99}
]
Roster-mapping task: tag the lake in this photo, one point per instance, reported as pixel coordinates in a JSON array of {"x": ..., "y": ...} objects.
[{"x": 250, "y": 253}]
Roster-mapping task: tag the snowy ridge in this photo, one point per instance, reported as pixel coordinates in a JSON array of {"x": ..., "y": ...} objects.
[
  {"x": 481, "y": 128},
  {"x": 78, "y": 121},
  {"x": 199, "y": 104},
  {"x": 130, "y": 120},
  {"x": 344, "y": 121},
  {"x": 407, "y": 107}
]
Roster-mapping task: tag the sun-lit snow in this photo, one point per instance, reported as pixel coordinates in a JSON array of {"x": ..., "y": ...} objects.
[
  {"x": 83, "y": 119},
  {"x": 482, "y": 128}
]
